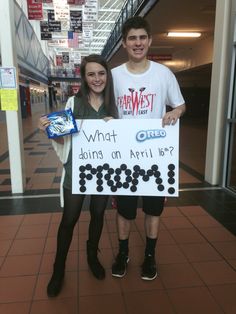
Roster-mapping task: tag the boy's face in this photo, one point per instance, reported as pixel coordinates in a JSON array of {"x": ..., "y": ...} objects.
[{"x": 136, "y": 44}]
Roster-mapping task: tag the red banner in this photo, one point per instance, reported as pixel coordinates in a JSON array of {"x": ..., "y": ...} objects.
[
  {"x": 157, "y": 58},
  {"x": 80, "y": 2},
  {"x": 35, "y": 10}
]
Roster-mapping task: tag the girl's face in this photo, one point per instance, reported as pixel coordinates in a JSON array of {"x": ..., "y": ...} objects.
[{"x": 96, "y": 77}]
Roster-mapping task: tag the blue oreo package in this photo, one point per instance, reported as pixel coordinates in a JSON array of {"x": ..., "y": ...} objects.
[{"x": 62, "y": 123}]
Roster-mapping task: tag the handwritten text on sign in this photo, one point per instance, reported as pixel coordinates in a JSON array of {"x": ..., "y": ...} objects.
[{"x": 126, "y": 157}]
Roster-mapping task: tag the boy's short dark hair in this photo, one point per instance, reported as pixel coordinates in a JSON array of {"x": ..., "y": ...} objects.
[{"x": 135, "y": 22}]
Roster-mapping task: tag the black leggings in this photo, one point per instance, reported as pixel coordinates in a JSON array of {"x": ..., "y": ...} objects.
[{"x": 72, "y": 208}]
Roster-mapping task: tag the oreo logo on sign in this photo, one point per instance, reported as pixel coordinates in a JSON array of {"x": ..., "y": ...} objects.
[{"x": 142, "y": 135}]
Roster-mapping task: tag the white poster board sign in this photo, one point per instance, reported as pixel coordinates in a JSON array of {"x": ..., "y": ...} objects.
[{"x": 126, "y": 157}]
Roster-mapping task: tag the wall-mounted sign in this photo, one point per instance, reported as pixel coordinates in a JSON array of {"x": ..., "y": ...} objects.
[
  {"x": 9, "y": 99},
  {"x": 7, "y": 77},
  {"x": 159, "y": 57}
]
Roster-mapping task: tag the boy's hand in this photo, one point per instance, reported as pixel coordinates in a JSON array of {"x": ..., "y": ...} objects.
[{"x": 171, "y": 117}]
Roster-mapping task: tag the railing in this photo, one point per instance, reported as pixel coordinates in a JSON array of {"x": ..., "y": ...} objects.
[
  {"x": 129, "y": 9},
  {"x": 29, "y": 51},
  {"x": 63, "y": 74}
]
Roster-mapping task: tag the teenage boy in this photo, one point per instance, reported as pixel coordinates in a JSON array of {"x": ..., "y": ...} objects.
[{"x": 143, "y": 89}]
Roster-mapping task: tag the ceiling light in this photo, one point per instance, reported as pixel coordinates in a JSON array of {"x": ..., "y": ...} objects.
[{"x": 183, "y": 34}]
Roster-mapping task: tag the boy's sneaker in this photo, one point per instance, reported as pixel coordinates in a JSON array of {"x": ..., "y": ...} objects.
[
  {"x": 149, "y": 268},
  {"x": 120, "y": 265}
]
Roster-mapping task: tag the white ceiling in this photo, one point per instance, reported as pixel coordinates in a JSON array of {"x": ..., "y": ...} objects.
[
  {"x": 107, "y": 14},
  {"x": 166, "y": 15},
  {"x": 176, "y": 15}
]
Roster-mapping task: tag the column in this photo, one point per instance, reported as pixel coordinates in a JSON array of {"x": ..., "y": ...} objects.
[
  {"x": 13, "y": 118},
  {"x": 218, "y": 98}
]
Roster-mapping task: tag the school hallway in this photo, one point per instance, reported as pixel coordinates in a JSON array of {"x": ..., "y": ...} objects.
[{"x": 196, "y": 250}]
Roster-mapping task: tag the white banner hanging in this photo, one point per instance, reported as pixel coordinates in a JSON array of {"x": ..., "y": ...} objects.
[
  {"x": 61, "y": 11},
  {"x": 90, "y": 11}
]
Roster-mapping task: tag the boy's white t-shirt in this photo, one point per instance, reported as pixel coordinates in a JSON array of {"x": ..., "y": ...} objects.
[{"x": 145, "y": 95}]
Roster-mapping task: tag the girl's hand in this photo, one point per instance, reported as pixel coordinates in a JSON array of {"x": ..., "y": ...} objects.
[
  {"x": 43, "y": 123},
  {"x": 107, "y": 118}
]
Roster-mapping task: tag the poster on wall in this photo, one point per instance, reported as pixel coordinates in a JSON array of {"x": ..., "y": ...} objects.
[
  {"x": 9, "y": 100},
  {"x": 126, "y": 157},
  {"x": 7, "y": 77}
]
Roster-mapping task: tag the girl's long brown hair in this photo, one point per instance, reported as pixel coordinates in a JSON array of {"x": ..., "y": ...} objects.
[{"x": 108, "y": 93}]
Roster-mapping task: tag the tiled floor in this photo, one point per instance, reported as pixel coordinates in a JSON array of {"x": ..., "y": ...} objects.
[{"x": 196, "y": 250}]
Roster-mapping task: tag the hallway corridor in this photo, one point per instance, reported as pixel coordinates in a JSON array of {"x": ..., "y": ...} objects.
[{"x": 196, "y": 251}]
